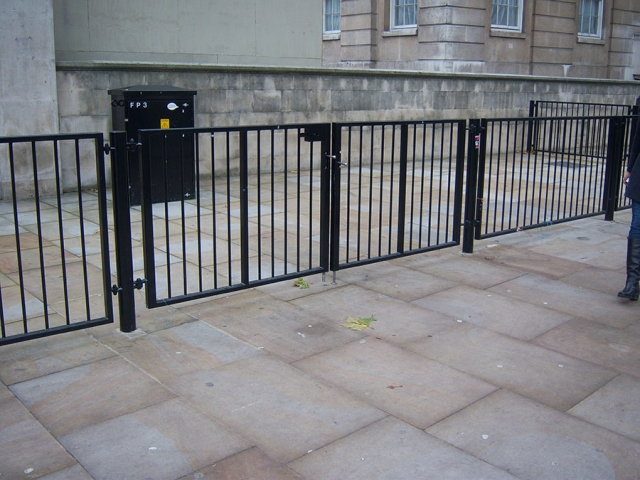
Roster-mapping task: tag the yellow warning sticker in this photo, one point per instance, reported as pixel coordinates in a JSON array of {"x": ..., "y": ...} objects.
[{"x": 164, "y": 123}]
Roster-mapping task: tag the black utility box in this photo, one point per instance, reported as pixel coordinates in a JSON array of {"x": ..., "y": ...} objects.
[{"x": 172, "y": 159}]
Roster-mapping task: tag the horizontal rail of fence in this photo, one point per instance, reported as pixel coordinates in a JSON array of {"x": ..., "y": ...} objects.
[
  {"x": 518, "y": 188},
  {"x": 54, "y": 260},
  {"x": 252, "y": 210},
  {"x": 397, "y": 191}
]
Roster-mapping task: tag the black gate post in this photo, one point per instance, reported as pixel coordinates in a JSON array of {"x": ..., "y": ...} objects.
[
  {"x": 122, "y": 230},
  {"x": 402, "y": 185},
  {"x": 336, "y": 157},
  {"x": 473, "y": 144},
  {"x": 613, "y": 167}
]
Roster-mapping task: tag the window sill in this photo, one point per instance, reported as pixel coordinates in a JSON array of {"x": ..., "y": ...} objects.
[
  {"x": 591, "y": 40},
  {"x": 401, "y": 32},
  {"x": 507, "y": 33},
  {"x": 331, "y": 36}
]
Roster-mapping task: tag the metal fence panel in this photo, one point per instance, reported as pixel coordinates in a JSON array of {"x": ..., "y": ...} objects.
[
  {"x": 398, "y": 191},
  {"x": 257, "y": 215},
  {"x": 54, "y": 249}
]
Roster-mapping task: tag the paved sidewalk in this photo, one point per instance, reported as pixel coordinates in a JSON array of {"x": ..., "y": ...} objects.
[{"x": 518, "y": 361}]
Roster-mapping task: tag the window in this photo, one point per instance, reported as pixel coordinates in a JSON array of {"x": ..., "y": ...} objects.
[
  {"x": 331, "y": 16},
  {"x": 404, "y": 13},
  {"x": 506, "y": 14},
  {"x": 590, "y": 18}
]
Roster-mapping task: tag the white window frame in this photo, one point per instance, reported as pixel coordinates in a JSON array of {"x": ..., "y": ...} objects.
[
  {"x": 392, "y": 15},
  {"x": 500, "y": 26},
  {"x": 598, "y": 33},
  {"x": 325, "y": 14}
]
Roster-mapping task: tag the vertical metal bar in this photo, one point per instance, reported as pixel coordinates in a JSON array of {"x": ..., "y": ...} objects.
[
  {"x": 334, "y": 245},
  {"x": 325, "y": 197},
  {"x": 63, "y": 264},
  {"x": 613, "y": 168},
  {"x": 471, "y": 190},
  {"x": 143, "y": 152},
  {"x": 273, "y": 205},
  {"x": 244, "y": 207},
  {"x": 122, "y": 232},
  {"x": 36, "y": 196},
  {"x": 16, "y": 225},
  {"x": 104, "y": 223},
  {"x": 459, "y": 182},
  {"x": 402, "y": 187}
]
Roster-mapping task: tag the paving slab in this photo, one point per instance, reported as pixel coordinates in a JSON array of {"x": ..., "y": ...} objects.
[
  {"x": 527, "y": 261},
  {"x": 494, "y": 311},
  {"x": 88, "y": 394},
  {"x": 27, "y": 450},
  {"x": 23, "y": 361},
  {"x": 391, "y": 449},
  {"x": 570, "y": 299},
  {"x": 604, "y": 280},
  {"x": 283, "y": 410},
  {"x": 396, "y": 321},
  {"x": 164, "y": 441},
  {"x": 251, "y": 464},
  {"x": 464, "y": 269},
  {"x": 272, "y": 325},
  {"x": 616, "y": 349},
  {"x": 533, "y": 441},
  {"x": 609, "y": 254},
  {"x": 616, "y": 406},
  {"x": 552, "y": 378},
  {"x": 173, "y": 352},
  {"x": 395, "y": 281},
  {"x": 404, "y": 384},
  {"x": 72, "y": 473}
]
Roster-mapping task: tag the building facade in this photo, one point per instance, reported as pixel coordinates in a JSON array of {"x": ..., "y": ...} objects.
[
  {"x": 294, "y": 61},
  {"x": 557, "y": 38}
]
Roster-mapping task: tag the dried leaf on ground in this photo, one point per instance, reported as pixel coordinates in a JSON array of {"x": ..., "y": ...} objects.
[{"x": 358, "y": 324}]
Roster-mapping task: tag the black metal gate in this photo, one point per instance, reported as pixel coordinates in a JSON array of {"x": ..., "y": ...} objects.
[
  {"x": 54, "y": 251},
  {"x": 260, "y": 213},
  {"x": 397, "y": 191}
]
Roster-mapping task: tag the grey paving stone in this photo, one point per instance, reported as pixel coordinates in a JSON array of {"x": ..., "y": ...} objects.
[
  {"x": 395, "y": 281},
  {"x": 608, "y": 254},
  {"x": 570, "y": 299},
  {"x": 391, "y": 449},
  {"x": 273, "y": 325},
  {"x": 164, "y": 441},
  {"x": 616, "y": 349},
  {"x": 616, "y": 406},
  {"x": 494, "y": 311},
  {"x": 548, "y": 377},
  {"x": 527, "y": 261},
  {"x": 75, "y": 472},
  {"x": 404, "y": 384},
  {"x": 532, "y": 441},
  {"x": 251, "y": 464},
  {"x": 23, "y": 361},
  {"x": 603, "y": 280},
  {"x": 283, "y": 410},
  {"x": 88, "y": 394},
  {"x": 396, "y": 321},
  {"x": 27, "y": 450},
  {"x": 187, "y": 348}
]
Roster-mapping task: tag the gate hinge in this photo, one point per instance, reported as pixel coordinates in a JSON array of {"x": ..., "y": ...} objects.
[
  {"x": 115, "y": 289},
  {"x": 108, "y": 148},
  {"x": 132, "y": 145},
  {"x": 139, "y": 283}
]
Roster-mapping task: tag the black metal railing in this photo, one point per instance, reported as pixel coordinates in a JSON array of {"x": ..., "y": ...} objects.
[
  {"x": 223, "y": 209},
  {"x": 259, "y": 214},
  {"x": 54, "y": 253},
  {"x": 518, "y": 188},
  {"x": 398, "y": 189}
]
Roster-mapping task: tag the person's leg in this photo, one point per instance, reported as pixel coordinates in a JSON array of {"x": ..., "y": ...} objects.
[{"x": 632, "y": 286}]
